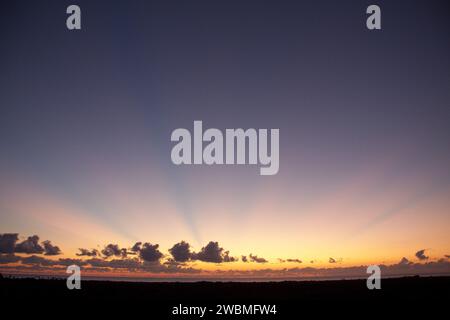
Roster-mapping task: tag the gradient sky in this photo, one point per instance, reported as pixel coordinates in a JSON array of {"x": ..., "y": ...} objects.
[{"x": 86, "y": 118}]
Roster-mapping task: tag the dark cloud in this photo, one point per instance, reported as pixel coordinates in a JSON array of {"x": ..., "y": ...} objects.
[
  {"x": 124, "y": 252},
  {"x": 421, "y": 255},
  {"x": 290, "y": 260},
  {"x": 36, "y": 260},
  {"x": 294, "y": 260},
  {"x": 447, "y": 256},
  {"x": 69, "y": 262},
  {"x": 181, "y": 251},
  {"x": 8, "y": 258},
  {"x": 150, "y": 252},
  {"x": 212, "y": 252},
  {"x": 41, "y": 261},
  {"x": 50, "y": 250},
  {"x": 136, "y": 247},
  {"x": 332, "y": 260},
  {"x": 130, "y": 264},
  {"x": 88, "y": 253},
  {"x": 255, "y": 258},
  {"x": 31, "y": 245},
  {"x": 172, "y": 262},
  {"x": 112, "y": 250},
  {"x": 172, "y": 266},
  {"x": 404, "y": 261},
  {"x": 8, "y": 242},
  {"x": 228, "y": 258}
]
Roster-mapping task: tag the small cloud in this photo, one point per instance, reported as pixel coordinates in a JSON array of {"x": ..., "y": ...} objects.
[
  {"x": 421, "y": 255},
  {"x": 150, "y": 252},
  {"x": 136, "y": 247},
  {"x": 244, "y": 259},
  {"x": 112, "y": 250},
  {"x": 212, "y": 252},
  {"x": 294, "y": 260},
  {"x": 50, "y": 250},
  {"x": 404, "y": 262},
  {"x": 228, "y": 258},
  {"x": 88, "y": 253},
  {"x": 332, "y": 260},
  {"x": 290, "y": 260},
  {"x": 181, "y": 252},
  {"x": 255, "y": 258}
]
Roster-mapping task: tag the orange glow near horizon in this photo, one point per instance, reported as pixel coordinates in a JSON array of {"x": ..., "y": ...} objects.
[{"x": 359, "y": 224}]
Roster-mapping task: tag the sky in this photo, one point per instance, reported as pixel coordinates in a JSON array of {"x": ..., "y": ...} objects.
[{"x": 86, "y": 118}]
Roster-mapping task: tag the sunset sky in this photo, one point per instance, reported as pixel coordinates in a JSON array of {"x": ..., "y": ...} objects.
[{"x": 86, "y": 118}]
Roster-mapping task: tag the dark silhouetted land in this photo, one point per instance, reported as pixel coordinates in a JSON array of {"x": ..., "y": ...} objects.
[{"x": 406, "y": 295}]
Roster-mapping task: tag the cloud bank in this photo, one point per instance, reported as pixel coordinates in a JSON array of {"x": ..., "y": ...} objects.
[
  {"x": 31, "y": 255},
  {"x": 8, "y": 244}
]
